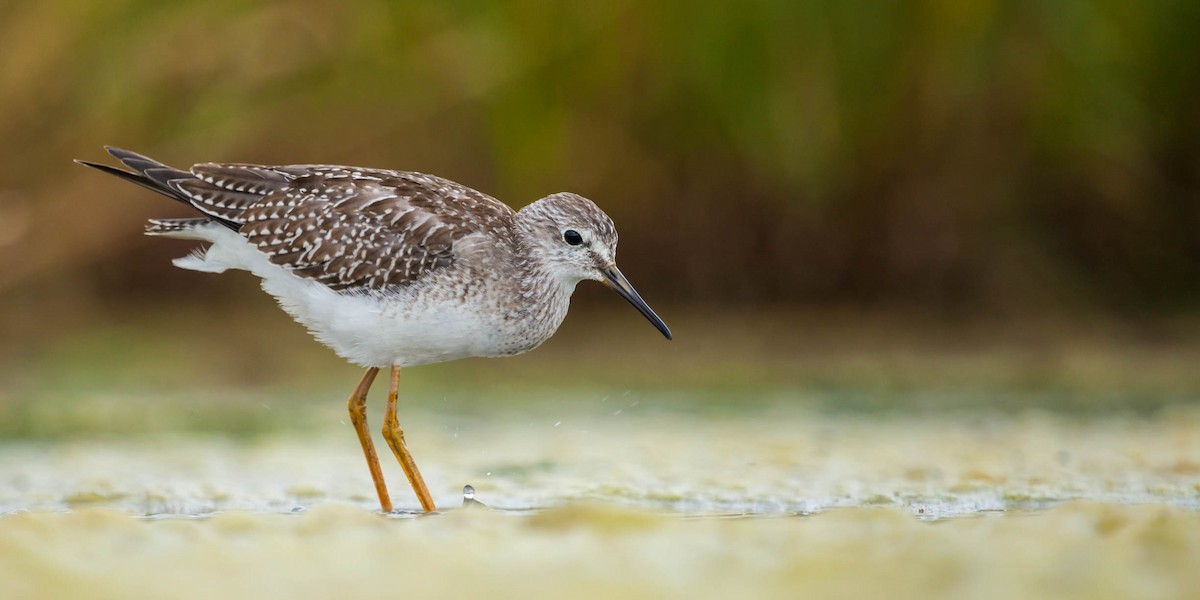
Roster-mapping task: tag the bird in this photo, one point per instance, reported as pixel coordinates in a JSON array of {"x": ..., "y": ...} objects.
[{"x": 390, "y": 269}]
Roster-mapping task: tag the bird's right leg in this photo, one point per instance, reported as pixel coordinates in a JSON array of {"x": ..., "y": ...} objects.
[
  {"x": 358, "y": 415},
  {"x": 395, "y": 438}
]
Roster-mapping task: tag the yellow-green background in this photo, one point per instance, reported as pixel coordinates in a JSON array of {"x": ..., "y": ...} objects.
[
  {"x": 922, "y": 259},
  {"x": 880, "y": 203}
]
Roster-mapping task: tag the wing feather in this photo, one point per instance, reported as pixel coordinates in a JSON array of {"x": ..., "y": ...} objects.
[
  {"x": 356, "y": 229},
  {"x": 349, "y": 228}
]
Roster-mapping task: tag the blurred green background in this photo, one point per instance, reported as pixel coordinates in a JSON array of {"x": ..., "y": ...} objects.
[{"x": 890, "y": 204}]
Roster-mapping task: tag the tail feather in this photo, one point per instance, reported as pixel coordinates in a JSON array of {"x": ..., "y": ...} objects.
[
  {"x": 131, "y": 177},
  {"x": 151, "y": 169},
  {"x": 176, "y": 227},
  {"x": 157, "y": 177}
]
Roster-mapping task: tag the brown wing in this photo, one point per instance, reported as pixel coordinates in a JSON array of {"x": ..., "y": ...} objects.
[{"x": 346, "y": 227}]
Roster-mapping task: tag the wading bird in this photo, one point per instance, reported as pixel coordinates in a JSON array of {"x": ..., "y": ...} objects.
[{"x": 391, "y": 268}]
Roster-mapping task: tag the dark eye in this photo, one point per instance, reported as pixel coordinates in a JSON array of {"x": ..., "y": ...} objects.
[{"x": 572, "y": 237}]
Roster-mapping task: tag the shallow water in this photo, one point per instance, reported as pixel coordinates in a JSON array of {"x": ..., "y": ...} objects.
[
  {"x": 770, "y": 462},
  {"x": 627, "y": 502}
]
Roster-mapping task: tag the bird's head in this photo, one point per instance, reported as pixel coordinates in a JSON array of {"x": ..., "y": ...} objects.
[{"x": 574, "y": 240}]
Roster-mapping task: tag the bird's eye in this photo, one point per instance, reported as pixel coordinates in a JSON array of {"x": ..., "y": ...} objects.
[{"x": 572, "y": 237}]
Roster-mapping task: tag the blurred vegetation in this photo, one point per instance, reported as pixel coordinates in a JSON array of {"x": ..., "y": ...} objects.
[
  {"x": 834, "y": 204},
  {"x": 985, "y": 154}
]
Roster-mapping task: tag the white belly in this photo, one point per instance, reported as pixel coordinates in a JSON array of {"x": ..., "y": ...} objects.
[{"x": 424, "y": 324}]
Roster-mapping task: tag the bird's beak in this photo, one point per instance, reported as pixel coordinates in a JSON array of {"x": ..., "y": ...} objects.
[{"x": 615, "y": 280}]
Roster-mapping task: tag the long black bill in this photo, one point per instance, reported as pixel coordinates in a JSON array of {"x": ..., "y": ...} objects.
[{"x": 615, "y": 280}]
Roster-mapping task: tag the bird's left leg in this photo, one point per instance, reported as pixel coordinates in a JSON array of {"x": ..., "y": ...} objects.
[{"x": 395, "y": 438}]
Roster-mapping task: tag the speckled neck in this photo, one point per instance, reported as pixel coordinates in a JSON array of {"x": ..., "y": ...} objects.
[{"x": 543, "y": 296}]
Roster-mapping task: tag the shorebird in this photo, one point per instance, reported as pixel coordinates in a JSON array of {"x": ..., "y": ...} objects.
[{"x": 390, "y": 268}]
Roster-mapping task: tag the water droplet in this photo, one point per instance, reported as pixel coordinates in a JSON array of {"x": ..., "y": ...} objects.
[
  {"x": 469, "y": 500},
  {"x": 557, "y": 423}
]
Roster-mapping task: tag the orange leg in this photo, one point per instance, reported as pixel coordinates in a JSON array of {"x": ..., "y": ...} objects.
[
  {"x": 395, "y": 438},
  {"x": 358, "y": 415}
]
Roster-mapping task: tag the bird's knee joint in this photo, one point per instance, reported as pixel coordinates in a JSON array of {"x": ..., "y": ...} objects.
[{"x": 393, "y": 431}]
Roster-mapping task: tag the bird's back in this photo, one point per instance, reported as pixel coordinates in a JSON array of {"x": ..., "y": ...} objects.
[{"x": 348, "y": 228}]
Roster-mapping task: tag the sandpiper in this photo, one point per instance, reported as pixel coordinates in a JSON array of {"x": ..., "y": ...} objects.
[{"x": 391, "y": 268}]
